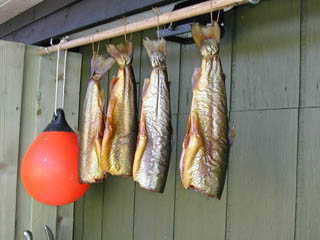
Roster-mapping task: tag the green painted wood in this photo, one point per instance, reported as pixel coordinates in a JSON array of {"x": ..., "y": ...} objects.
[
  {"x": 308, "y": 194},
  {"x": 310, "y": 54},
  {"x": 266, "y": 56},
  {"x": 65, "y": 214},
  {"x": 195, "y": 214},
  {"x": 154, "y": 212},
  {"x": 148, "y": 204},
  {"x": 79, "y": 205},
  {"x": 90, "y": 207},
  {"x": 29, "y": 106},
  {"x": 42, "y": 214},
  {"x": 11, "y": 80},
  {"x": 118, "y": 202},
  {"x": 262, "y": 175},
  {"x": 190, "y": 58}
]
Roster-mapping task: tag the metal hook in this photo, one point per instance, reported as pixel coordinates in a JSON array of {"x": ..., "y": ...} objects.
[
  {"x": 254, "y": 1},
  {"x": 28, "y": 235}
]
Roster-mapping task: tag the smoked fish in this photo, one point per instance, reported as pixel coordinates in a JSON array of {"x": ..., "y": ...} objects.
[
  {"x": 121, "y": 126},
  {"x": 152, "y": 157},
  {"x": 92, "y": 123},
  {"x": 205, "y": 151}
]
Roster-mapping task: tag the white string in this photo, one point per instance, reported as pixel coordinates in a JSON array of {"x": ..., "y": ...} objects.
[
  {"x": 64, "y": 76},
  {"x": 57, "y": 77}
]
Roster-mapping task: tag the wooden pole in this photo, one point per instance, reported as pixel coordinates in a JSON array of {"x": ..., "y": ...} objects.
[{"x": 187, "y": 12}]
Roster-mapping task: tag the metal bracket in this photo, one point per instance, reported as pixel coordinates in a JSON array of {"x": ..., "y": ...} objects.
[{"x": 254, "y": 1}]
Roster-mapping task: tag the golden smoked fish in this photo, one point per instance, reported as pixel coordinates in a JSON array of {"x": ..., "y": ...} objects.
[
  {"x": 205, "y": 151},
  {"x": 151, "y": 161},
  {"x": 92, "y": 123},
  {"x": 121, "y": 127}
]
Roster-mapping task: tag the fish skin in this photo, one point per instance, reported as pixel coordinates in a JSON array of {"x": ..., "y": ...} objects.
[
  {"x": 121, "y": 126},
  {"x": 92, "y": 123},
  {"x": 152, "y": 157},
  {"x": 205, "y": 150}
]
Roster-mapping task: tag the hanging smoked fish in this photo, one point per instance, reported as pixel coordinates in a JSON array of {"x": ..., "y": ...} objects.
[
  {"x": 151, "y": 161},
  {"x": 92, "y": 123},
  {"x": 121, "y": 128},
  {"x": 205, "y": 151}
]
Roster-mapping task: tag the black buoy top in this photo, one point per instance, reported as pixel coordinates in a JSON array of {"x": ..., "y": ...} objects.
[{"x": 58, "y": 123}]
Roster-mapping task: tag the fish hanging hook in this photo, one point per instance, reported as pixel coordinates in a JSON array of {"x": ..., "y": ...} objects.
[{"x": 158, "y": 12}]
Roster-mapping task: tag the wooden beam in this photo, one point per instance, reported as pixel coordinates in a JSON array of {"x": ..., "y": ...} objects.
[
  {"x": 79, "y": 16},
  {"x": 33, "y": 14},
  {"x": 165, "y": 18}
]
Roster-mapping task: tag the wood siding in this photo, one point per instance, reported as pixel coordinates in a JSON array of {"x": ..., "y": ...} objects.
[
  {"x": 272, "y": 191},
  {"x": 271, "y": 62}
]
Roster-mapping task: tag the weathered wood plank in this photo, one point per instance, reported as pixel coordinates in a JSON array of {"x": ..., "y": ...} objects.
[
  {"x": 310, "y": 54},
  {"x": 262, "y": 175},
  {"x": 42, "y": 214},
  {"x": 78, "y": 226},
  {"x": 118, "y": 204},
  {"x": 11, "y": 80},
  {"x": 190, "y": 58},
  {"x": 195, "y": 214},
  {"x": 308, "y": 194},
  {"x": 65, "y": 214},
  {"x": 154, "y": 212},
  {"x": 79, "y": 16},
  {"x": 266, "y": 56},
  {"x": 27, "y": 133},
  {"x": 32, "y": 14}
]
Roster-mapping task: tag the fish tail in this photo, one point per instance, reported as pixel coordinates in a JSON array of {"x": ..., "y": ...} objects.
[
  {"x": 100, "y": 65},
  {"x": 153, "y": 46},
  {"x": 201, "y": 33},
  {"x": 122, "y": 53}
]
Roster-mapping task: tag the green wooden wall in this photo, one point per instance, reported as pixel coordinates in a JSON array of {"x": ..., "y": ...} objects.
[{"x": 271, "y": 58}]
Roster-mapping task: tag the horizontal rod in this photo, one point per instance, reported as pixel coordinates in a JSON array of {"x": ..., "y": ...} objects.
[{"x": 187, "y": 12}]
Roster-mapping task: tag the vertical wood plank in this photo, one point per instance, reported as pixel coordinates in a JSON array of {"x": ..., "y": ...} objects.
[
  {"x": 78, "y": 225},
  {"x": 310, "y": 54},
  {"x": 29, "y": 108},
  {"x": 118, "y": 204},
  {"x": 308, "y": 194},
  {"x": 89, "y": 209},
  {"x": 65, "y": 213},
  {"x": 262, "y": 176},
  {"x": 148, "y": 204},
  {"x": 154, "y": 212},
  {"x": 195, "y": 214},
  {"x": 11, "y": 80},
  {"x": 264, "y": 44},
  {"x": 42, "y": 214}
]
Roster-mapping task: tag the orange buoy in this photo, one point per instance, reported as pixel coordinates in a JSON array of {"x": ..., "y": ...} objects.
[{"x": 49, "y": 170}]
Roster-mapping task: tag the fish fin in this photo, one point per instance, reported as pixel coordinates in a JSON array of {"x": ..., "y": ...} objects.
[
  {"x": 141, "y": 146},
  {"x": 107, "y": 136},
  {"x": 195, "y": 77},
  {"x": 122, "y": 53},
  {"x": 100, "y": 65},
  {"x": 113, "y": 83},
  {"x": 145, "y": 86},
  {"x": 200, "y": 32},
  {"x": 155, "y": 46},
  {"x": 232, "y": 134},
  {"x": 190, "y": 149}
]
